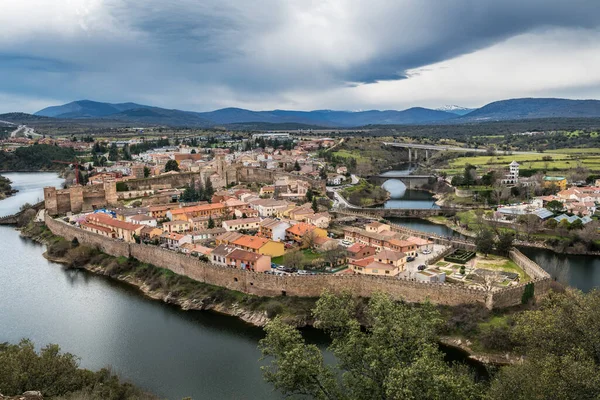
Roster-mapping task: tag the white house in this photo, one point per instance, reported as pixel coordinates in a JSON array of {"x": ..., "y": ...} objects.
[{"x": 243, "y": 223}]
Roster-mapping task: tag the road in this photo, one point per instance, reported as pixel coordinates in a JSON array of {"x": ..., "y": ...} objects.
[
  {"x": 337, "y": 198},
  {"x": 23, "y": 131}
]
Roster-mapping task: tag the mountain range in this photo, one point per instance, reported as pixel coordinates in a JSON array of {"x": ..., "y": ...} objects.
[{"x": 512, "y": 109}]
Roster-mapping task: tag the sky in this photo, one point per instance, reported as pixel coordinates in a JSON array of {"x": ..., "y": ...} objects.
[{"x": 201, "y": 55}]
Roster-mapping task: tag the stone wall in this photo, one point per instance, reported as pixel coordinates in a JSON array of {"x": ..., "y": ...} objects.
[
  {"x": 115, "y": 248},
  {"x": 294, "y": 285},
  {"x": 253, "y": 174},
  {"x": 528, "y": 265}
]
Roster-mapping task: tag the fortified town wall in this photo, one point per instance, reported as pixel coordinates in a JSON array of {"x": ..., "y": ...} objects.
[{"x": 261, "y": 284}]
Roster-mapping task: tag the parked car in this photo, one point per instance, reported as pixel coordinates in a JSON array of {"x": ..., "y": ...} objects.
[
  {"x": 410, "y": 258},
  {"x": 303, "y": 272},
  {"x": 426, "y": 251},
  {"x": 422, "y": 267}
]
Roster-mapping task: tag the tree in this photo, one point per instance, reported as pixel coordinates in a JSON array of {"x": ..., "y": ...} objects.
[
  {"x": 505, "y": 242},
  {"x": 309, "y": 239},
  {"x": 208, "y": 189},
  {"x": 296, "y": 166},
  {"x": 171, "y": 165},
  {"x": 323, "y": 173},
  {"x": 334, "y": 255},
  {"x": 531, "y": 224},
  {"x": 560, "y": 341},
  {"x": 113, "y": 153},
  {"x": 309, "y": 194},
  {"x": 469, "y": 175},
  {"x": 211, "y": 223},
  {"x": 146, "y": 172},
  {"x": 193, "y": 151},
  {"x": 395, "y": 357},
  {"x": 555, "y": 206},
  {"x": 484, "y": 241},
  {"x": 294, "y": 259},
  {"x": 314, "y": 205}
]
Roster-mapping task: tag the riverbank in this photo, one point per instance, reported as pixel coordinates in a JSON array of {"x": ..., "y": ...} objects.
[
  {"x": 166, "y": 286},
  {"x": 6, "y": 189}
]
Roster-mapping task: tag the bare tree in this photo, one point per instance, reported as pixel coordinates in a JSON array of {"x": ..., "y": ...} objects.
[
  {"x": 334, "y": 255},
  {"x": 308, "y": 240},
  {"x": 294, "y": 259}
]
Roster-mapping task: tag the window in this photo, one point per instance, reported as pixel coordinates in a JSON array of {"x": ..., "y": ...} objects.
[{"x": 375, "y": 271}]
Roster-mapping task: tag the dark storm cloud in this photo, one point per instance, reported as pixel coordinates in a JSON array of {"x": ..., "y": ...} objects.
[{"x": 175, "y": 50}]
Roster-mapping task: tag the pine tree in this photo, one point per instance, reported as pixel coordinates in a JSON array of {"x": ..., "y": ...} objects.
[
  {"x": 315, "y": 206},
  {"x": 211, "y": 223},
  {"x": 208, "y": 189}
]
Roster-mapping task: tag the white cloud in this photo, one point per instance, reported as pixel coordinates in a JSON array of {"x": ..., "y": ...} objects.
[{"x": 303, "y": 54}]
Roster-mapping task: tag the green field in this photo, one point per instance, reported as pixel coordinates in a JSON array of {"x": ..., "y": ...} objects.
[
  {"x": 348, "y": 154},
  {"x": 561, "y": 160}
]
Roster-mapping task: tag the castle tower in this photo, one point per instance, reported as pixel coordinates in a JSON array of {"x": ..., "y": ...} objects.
[
  {"x": 110, "y": 192},
  {"x": 76, "y": 198},
  {"x": 50, "y": 200}
]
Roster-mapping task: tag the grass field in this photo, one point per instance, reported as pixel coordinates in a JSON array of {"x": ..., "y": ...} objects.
[
  {"x": 557, "y": 160},
  {"x": 348, "y": 154}
]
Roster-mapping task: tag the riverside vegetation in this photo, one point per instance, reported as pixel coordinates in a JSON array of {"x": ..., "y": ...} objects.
[
  {"x": 5, "y": 187},
  {"x": 57, "y": 376},
  {"x": 388, "y": 350}
]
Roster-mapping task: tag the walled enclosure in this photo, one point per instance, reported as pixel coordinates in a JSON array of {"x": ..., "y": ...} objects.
[{"x": 292, "y": 285}]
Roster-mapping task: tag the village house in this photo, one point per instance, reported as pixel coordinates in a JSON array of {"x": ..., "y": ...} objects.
[
  {"x": 227, "y": 237},
  {"x": 242, "y": 224},
  {"x": 160, "y": 212},
  {"x": 403, "y": 246},
  {"x": 260, "y": 245},
  {"x": 390, "y": 257},
  {"x": 125, "y": 231},
  {"x": 335, "y": 179},
  {"x": 559, "y": 182},
  {"x": 320, "y": 220},
  {"x": 199, "y": 223},
  {"x": 297, "y": 232},
  {"x": 245, "y": 212},
  {"x": 176, "y": 226},
  {"x": 207, "y": 234},
  {"x": 148, "y": 233},
  {"x": 377, "y": 227},
  {"x": 268, "y": 207},
  {"x": 219, "y": 254},
  {"x": 174, "y": 240},
  {"x": 189, "y": 248},
  {"x": 185, "y": 213},
  {"x": 273, "y": 229},
  {"x": 142, "y": 219},
  {"x": 243, "y": 259},
  {"x": 358, "y": 251}
]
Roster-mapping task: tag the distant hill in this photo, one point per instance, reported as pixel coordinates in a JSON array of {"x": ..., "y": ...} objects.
[
  {"x": 19, "y": 117},
  {"x": 528, "y": 108},
  {"x": 505, "y": 110},
  {"x": 454, "y": 109},
  {"x": 86, "y": 109},
  {"x": 132, "y": 112}
]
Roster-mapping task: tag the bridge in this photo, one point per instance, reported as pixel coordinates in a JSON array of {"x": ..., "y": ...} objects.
[
  {"x": 14, "y": 218},
  {"x": 411, "y": 181},
  {"x": 379, "y": 213},
  {"x": 413, "y": 149}
]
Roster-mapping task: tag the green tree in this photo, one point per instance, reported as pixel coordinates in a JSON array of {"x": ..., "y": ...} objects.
[
  {"x": 309, "y": 194},
  {"x": 171, "y": 165},
  {"x": 113, "y": 153},
  {"x": 555, "y": 206},
  {"x": 296, "y": 166},
  {"x": 469, "y": 175},
  {"x": 562, "y": 348},
  {"x": 211, "y": 223},
  {"x": 505, "y": 242},
  {"x": 208, "y": 189},
  {"x": 146, "y": 172},
  {"x": 484, "y": 241},
  {"x": 314, "y": 205},
  {"x": 395, "y": 357}
]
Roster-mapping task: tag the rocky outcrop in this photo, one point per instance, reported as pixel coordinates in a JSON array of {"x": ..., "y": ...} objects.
[{"x": 29, "y": 395}]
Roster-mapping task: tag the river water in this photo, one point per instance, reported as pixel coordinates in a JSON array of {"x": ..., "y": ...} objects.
[
  {"x": 160, "y": 348},
  {"x": 401, "y": 197}
]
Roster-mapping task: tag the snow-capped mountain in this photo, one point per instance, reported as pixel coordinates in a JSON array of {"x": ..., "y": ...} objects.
[{"x": 454, "y": 109}]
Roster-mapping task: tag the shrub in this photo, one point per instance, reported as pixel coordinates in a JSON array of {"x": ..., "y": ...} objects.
[
  {"x": 273, "y": 308},
  {"x": 59, "y": 248}
]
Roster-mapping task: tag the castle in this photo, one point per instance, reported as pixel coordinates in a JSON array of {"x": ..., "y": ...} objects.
[
  {"x": 512, "y": 178},
  {"x": 80, "y": 198}
]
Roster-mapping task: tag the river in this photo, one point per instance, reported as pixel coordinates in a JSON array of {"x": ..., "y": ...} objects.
[
  {"x": 160, "y": 348},
  {"x": 401, "y": 197}
]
